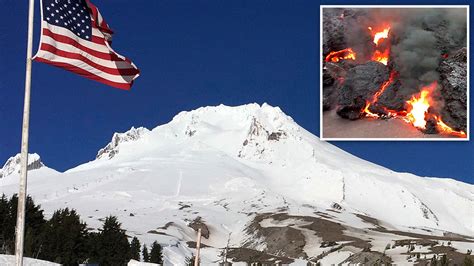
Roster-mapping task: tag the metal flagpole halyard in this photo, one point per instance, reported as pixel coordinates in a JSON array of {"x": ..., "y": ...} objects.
[{"x": 20, "y": 221}]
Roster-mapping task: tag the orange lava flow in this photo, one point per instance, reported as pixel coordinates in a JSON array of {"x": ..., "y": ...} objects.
[
  {"x": 381, "y": 35},
  {"x": 417, "y": 113},
  {"x": 381, "y": 57},
  {"x": 346, "y": 54},
  {"x": 418, "y": 109},
  {"x": 381, "y": 54},
  {"x": 446, "y": 129},
  {"x": 377, "y": 95}
]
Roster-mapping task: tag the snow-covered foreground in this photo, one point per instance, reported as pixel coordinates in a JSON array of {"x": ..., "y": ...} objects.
[
  {"x": 9, "y": 260},
  {"x": 253, "y": 175}
]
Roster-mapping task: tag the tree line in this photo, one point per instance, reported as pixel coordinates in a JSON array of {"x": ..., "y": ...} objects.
[{"x": 67, "y": 240}]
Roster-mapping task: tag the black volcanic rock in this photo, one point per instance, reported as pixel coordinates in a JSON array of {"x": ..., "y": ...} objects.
[
  {"x": 328, "y": 89},
  {"x": 333, "y": 30},
  {"x": 394, "y": 96},
  {"x": 360, "y": 84},
  {"x": 453, "y": 76}
]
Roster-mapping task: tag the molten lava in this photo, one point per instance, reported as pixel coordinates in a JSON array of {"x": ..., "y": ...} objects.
[
  {"x": 381, "y": 35},
  {"x": 418, "y": 109},
  {"x": 381, "y": 57},
  {"x": 442, "y": 127},
  {"x": 377, "y": 95},
  {"x": 346, "y": 54},
  {"x": 381, "y": 54}
]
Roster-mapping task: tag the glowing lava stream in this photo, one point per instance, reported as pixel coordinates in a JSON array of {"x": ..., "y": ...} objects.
[
  {"x": 381, "y": 35},
  {"x": 377, "y": 95},
  {"x": 445, "y": 128},
  {"x": 418, "y": 112},
  {"x": 381, "y": 56},
  {"x": 419, "y": 108},
  {"x": 346, "y": 54}
]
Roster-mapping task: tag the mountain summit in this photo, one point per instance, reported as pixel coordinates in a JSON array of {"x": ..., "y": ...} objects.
[
  {"x": 257, "y": 181},
  {"x": 13, "y": 164}
]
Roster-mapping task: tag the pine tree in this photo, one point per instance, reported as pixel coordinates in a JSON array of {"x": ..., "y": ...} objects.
[
  {"x": 155, "y": 253},
  {"x": 34, "y": 221},
  {"x": 65, "y": 238},
  {"x": 112, "y": 244},
  {"x": 135, "y": 249},
  {"x": 4, "y": 210},
  {"x": 146, "y": 256}
]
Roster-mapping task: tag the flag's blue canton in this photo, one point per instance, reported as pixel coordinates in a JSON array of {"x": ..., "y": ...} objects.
[{"x": 70, "y": 14}]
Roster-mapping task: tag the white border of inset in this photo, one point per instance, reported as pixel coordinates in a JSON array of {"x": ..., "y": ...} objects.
[{"x": 321, "y": 73}]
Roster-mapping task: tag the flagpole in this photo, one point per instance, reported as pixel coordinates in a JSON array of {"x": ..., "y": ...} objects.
[
  {"x": 198, "y": 247},
  {"x": 20, "y": 221}
]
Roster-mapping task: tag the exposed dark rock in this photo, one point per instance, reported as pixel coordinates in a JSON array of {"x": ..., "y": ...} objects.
[
  {"x": 112, "y": 148},
  {"x": 199, "y": 223},
  {"x": 276, "y": 135},
  {"x": 193, "y": 244},
  {"x": 326, "y": 244},
  {"x": 394, "y": 96},
  {"x": 285, "y": 241},
  {"x": 415, "y": 241},
  {"x": 253, "y": 256},
  {"x": 289, "y": 240},
  {"x": 353, "y": 111},
  {"x": 339, "y": 31},
  {"x": 333, "y": 30},
  {"x": 453, "y": 75},
  {"x": 368, "y": 258},
  {"x": 360, "y": 84},
  {"x": 431, "y": 128},
  {"x": 13, "y": 164},
  {"x": 333, "y": 77}
]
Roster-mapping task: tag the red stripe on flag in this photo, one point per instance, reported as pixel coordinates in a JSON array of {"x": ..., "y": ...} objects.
[
  {"x": 102, "y": 25},
  {"x": 70, "y": 55},
  {"x": 70, "y": 41},
  {"x": 82, "y": 72}
]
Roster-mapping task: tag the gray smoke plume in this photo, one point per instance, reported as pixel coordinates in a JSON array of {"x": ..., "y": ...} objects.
[{"x": 421, "y": 38}]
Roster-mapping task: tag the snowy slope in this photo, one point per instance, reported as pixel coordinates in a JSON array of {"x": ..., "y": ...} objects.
[
  {"x": 228, "y": 164},
  {"x": 9, "y": 260}
]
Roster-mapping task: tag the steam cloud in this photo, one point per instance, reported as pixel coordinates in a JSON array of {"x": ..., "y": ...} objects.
[{"x": 422, "y": 36}]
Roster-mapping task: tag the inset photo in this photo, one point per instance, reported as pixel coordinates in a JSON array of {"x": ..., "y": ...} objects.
[{"x": 394, "y": 72}]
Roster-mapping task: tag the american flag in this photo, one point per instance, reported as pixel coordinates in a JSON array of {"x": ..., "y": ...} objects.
[{"x": 74, "y": 36}]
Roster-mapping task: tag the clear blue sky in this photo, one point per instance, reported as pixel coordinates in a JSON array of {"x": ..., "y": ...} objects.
[{"x": 191, "y": 54}]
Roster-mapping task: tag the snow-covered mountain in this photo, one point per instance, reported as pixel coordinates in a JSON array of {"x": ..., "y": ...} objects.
[
  {"x": 12, "y": 166},
  {"x": 251, "y": 177}
]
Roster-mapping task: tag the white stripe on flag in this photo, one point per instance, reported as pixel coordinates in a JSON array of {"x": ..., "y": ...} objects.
[
  {"x": 80, "y": 64},
  {"x": 72, "y": 49}
]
